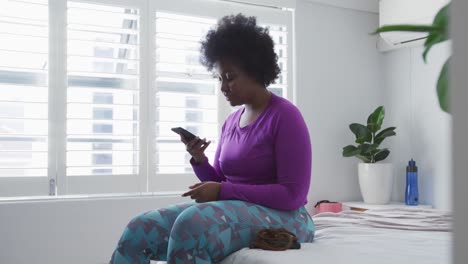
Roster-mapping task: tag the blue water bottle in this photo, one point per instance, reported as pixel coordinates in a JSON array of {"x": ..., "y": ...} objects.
[{"x": 411, "y": 193}]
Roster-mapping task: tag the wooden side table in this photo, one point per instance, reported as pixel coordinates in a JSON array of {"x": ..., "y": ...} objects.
[{"x": 361, "y": 206}]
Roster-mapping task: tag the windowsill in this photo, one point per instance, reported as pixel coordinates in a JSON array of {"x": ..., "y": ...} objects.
[{"x": 174, "y": 194}]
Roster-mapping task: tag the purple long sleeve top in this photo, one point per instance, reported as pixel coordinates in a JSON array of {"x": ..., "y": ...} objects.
[{"x": 267, "y": 162}]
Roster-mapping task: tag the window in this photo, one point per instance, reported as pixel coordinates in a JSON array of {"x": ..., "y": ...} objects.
[
  {"x": 88, "y": 95},
  {"x": 24, "y": 68},
  {"x": 186, "y": 93},
  {"x": 279, "y": 33},
  {"x": 103, "y": 93}
]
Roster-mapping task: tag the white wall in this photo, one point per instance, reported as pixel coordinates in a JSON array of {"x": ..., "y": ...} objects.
[
  {"x": 76, "y": 231},
  {"x": 360, "y": 5},
  {"x": 338, "y": 83},
  {"x": 423, "y": 129}
]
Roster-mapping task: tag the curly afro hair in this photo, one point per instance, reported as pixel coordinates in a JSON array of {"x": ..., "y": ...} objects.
[{"x": 240, "y": 39}]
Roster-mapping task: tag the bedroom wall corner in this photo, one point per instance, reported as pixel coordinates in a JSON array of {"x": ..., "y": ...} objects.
[
  {"x": 335, "y": 50},
  {"x": 423, "y": 129}
]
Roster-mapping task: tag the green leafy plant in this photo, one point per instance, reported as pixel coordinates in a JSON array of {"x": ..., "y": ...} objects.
[
  {"x": 369, "y": 138},
  {"x": 437, "y": 32}
]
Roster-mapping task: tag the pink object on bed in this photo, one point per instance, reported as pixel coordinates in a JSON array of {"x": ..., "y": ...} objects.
[{"x": 327, "y": 206}]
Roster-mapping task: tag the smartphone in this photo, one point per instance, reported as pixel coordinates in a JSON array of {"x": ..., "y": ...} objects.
[{"x": 183, "y": 132}]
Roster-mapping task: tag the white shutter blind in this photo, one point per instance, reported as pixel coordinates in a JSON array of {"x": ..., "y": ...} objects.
[
  {"x": 103, "y": 90},
  {"x": 186, "y": 94},
  {"x": 23, "y": 88},
  {"x": 279, "y": 35}
]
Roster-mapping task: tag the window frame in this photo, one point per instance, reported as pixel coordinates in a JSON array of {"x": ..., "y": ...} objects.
[
  {"x": 57, "y": 182},
  {"x": 102, "y": 184},
  {"x": 32, "y": 185}
]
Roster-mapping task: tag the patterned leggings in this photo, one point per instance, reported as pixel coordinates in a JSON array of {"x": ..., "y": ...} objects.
[{"x": 203, "y": 232}]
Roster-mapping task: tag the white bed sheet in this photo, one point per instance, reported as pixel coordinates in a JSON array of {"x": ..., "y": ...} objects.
[{"x": 410, "y": 236}]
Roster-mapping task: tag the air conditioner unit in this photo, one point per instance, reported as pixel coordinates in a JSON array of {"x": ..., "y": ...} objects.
[{"x": 393, "y": 12}]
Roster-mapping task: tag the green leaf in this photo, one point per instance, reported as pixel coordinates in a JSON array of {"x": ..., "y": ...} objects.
[
  {"x": 375, "y": 151},
  {"x": 406, "y": 27},
  {"x": 362, "y": 133},
  {"x": 377, "y": 116},
  {"x": 388, "y": 132},
  {"x": 443, "y": 88},
  {"x": 373, "y": 147},
  {"x": 365, "y": 158},
  {"x": 381, "y": 155},
  {"x": 350, "y": 151},
  {"x": 375, "y": 120},
  {"x": 431, "y": 40},
  {"x": 441, "y": 22},
  {"x": 366, "y": 148}
]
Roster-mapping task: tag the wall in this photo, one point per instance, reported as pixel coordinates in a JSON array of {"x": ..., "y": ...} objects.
[
  {"x": 423, "y": 129},
  {"x": 360, "y": 5},
  {"x": 73, "y": 231},
  {"x": 338, "y": 83}
]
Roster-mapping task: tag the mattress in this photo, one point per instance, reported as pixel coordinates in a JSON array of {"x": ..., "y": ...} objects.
[
  {"x": 390, "y": 236},
  {"x": 403, "y": 236}
]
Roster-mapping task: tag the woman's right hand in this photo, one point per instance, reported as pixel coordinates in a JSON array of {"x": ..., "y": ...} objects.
[{"x": 196, "y": 147}]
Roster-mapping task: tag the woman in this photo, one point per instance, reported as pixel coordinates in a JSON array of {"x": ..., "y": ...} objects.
[{"x": 261, "y": 171}]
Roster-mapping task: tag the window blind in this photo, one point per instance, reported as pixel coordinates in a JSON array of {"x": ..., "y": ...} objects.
[
  {"x": 103, "y": 90},
  {"x": 23, "y": 88},
  {"x": 186, "y": 94}
]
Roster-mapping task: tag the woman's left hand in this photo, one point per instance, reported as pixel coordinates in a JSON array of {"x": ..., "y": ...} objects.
[{"x": 204, "y": 191}]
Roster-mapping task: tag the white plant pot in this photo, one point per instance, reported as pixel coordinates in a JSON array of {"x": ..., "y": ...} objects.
[{"x": 376, "y": 182}]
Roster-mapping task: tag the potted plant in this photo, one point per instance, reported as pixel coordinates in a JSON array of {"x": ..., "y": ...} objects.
[{"x": 375, "y": 177}]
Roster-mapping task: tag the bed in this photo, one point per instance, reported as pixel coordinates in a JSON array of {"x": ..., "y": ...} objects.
[
  {"x": 389, "y": 236},
  {"x": 403, "y": 236}
]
